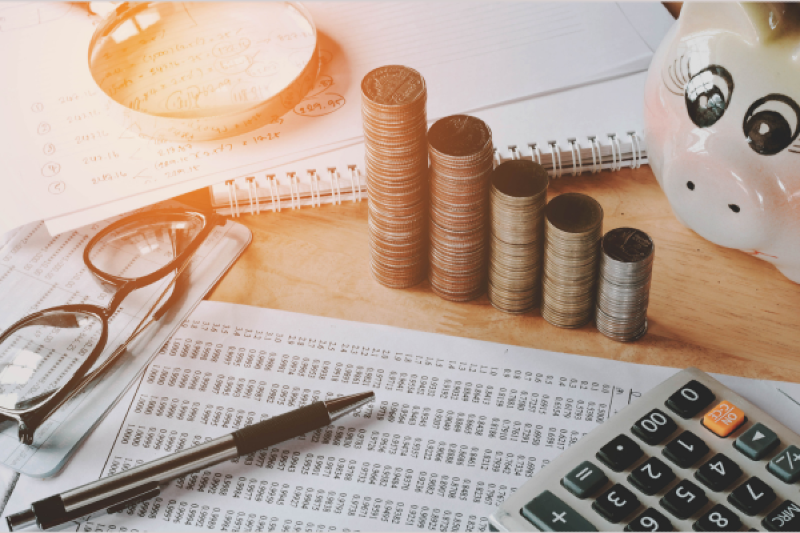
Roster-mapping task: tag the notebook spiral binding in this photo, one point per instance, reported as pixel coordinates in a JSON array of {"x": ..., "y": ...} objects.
[
  {"x": 355, "y": 189},
  {"x": 575, "y": 160}
]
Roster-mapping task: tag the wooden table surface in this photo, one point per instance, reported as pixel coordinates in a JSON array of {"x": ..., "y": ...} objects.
[{"x": 714, "y": 308}]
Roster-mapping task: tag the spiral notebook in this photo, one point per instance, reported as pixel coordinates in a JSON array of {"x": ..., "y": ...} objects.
[{"x": 592, "y": 128}]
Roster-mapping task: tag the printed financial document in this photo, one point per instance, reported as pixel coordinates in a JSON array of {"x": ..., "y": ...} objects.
[{"x": 457, "y": 424}]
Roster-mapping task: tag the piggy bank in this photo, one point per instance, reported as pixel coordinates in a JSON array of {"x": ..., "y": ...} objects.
[{"x": 721, "y": 123}]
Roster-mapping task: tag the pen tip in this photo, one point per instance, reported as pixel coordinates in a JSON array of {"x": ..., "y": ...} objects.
[{"x": 338, "y": 407}]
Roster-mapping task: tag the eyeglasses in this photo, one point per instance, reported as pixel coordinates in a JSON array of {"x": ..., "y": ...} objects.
[{"x": 50, "y": 356}]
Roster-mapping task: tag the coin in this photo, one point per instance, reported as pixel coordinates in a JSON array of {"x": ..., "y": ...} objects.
[
  {"x": 517, "y": 200},
  {"x": 460, "y": 150},
  {"x": 623, "y": 291},
  {"x": 393, "y": 85},
  {"x": 393, "y": 100},
  {"x": 459, "y": 136},
  {"x": 573, "y": 227}
]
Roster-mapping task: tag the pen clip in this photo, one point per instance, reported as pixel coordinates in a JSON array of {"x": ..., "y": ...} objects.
[{"x": 146, "y": 491}]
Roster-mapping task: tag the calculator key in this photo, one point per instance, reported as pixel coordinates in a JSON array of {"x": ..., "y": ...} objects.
[
  {"x": 718, "y": 473},
  {"x": 651, "y": 476},
  {"x": 757, "y": 442},
  {"x": 690, "y": 399},
  {"x": 584, "y": 480},
  {"x": 719, "y": 518},
  {"x": 548, "y": 513},
  {"x": 685, "y": 449},
  {"x": 752, "y": 497},
  {"x": 786, "y": 465},
  {"x": 684, "y": 499},
  {"x": 650, "y": 520},
  {"x": 620, "y": 453},
  {"x": 785, "y": 517},
  {"x": 616, "y": 503},
  {"x": 723, "y": 419},
  {"x": 654, "y": 427}
]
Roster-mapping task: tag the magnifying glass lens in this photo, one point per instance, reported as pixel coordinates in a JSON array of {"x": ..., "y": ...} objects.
[{"x": 209, "y": 68}]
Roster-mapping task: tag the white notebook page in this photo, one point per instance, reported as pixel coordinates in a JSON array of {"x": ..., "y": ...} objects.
[
  {"x": 613, "y": 107},
  {"x": 64, "y": 154},
  {"x": 456, "y": 426}
]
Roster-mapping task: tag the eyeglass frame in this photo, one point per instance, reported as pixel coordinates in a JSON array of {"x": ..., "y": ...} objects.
[{"x": 30, "y": 419}]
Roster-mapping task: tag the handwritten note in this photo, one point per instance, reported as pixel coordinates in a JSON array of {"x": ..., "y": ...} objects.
[{"x": 67, "y": 150}]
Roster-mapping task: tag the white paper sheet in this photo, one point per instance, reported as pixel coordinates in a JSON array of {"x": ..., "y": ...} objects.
[
  {"x": 457, "y": 424},
  {"x": 63, "y": 152}
]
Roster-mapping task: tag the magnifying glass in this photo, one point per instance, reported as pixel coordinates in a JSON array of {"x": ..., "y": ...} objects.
[{"x": 205, "y": 70}]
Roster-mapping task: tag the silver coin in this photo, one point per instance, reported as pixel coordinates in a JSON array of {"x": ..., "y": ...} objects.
[{"x": 623, "y": 291}]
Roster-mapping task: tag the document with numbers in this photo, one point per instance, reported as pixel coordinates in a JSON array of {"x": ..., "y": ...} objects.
[{"x": 456, "y": 427}]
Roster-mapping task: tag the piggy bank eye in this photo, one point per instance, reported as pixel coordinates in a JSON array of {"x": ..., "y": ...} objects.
[
  {"x": 771, "y": 124},
  {"x": 708, "y": 94}
]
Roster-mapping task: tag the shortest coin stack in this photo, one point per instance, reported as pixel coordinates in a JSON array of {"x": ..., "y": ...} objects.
[
  {"x": 517, "y": 200},
  {"x": 573, "y": 228},
  {"x": 626, "y": 266}
]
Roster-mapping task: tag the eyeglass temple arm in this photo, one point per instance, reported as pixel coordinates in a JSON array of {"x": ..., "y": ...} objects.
[{"x": 179, "y": 242}]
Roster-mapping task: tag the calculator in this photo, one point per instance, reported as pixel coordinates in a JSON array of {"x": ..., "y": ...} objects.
[{"x": 689, "y": 455}]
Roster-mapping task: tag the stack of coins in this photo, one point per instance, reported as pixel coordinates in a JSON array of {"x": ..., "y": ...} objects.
[
  {"x": 573, "y": 227},
  {"x": 623, "y": 292},
  {"x": 461, "y": 153},
  {"x": 517, "y": 200},
  {"x": 393, "y": 111}
]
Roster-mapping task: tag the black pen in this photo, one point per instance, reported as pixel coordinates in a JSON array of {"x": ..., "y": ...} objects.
[{"x": 115, "y": 493}]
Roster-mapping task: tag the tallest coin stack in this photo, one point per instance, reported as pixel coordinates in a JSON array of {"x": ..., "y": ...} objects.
[{"x": 393, "y": 111}]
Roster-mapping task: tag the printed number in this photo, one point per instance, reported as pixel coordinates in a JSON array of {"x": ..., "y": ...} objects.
[
  {"x": 718, "y": 467},
  {"x": 616, "y": 500},
  {"x": 649, "y": 469},
  {"x": 720, "y": 520},
  {"x": 689, "y": 447},
  {"x": 649, "y": 523},
  {"x": 651, "y": 424},
  {"x": 753, "y": 493},
  {"x": 683, "y": 493},
  {"x": 690, "y": 394}
]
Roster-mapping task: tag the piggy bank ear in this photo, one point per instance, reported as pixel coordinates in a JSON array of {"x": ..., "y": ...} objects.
[
  {"x": 774, "y": 20},
  {"x": 757, "y": 22}
]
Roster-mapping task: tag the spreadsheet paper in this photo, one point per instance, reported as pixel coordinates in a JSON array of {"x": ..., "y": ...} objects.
[{"x": 457, "y": 424}]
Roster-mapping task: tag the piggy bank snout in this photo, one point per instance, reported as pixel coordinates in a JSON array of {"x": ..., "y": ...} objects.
[
  {"x": 733, "y": 207},
  {"x": 725, "y": 212}
]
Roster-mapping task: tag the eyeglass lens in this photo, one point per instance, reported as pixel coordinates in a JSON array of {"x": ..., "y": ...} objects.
[
  {"x": 143, "y": 246},
  {"x": 41, "y": 356}
]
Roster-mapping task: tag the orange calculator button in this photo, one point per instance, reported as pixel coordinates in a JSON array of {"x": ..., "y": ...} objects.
[{"x": 724, "y": 419}]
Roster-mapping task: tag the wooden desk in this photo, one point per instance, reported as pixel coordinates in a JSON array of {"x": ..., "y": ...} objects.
[{"x": 718, "y": 309}]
